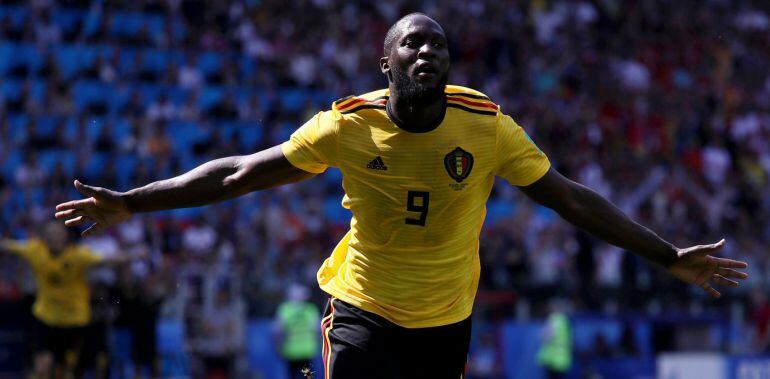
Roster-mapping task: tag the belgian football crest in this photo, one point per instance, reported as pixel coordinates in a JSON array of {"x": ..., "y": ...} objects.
[{"x": 458, "y": 164}]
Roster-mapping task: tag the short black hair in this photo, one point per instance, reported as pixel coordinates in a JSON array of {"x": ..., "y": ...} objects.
[{"x": 392, "y": 34}]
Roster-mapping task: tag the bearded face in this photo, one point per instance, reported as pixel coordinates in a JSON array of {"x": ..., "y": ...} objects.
[{"x": 415, "y": 92}]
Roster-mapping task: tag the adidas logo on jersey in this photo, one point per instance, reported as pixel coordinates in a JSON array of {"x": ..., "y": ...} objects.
[{"x": 377, "y": 164}]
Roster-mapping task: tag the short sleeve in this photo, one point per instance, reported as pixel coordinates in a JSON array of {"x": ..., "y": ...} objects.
[
  {"x": 25, "y": 249},
  {"x": 519, "y": 160},
  {"x": 87, "y": 257},
  {"x": 313, "y": 147}
]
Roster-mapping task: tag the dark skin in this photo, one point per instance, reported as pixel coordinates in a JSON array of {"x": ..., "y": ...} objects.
[{"x": 421, "y": 43}]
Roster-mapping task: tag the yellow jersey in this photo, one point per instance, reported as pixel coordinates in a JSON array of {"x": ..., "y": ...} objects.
[
  {"x": 63, "y": 296},
  {"x": 418, "y": 200}
]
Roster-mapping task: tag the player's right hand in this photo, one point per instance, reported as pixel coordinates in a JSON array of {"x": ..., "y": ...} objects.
[{"x": 103, "y": 208}]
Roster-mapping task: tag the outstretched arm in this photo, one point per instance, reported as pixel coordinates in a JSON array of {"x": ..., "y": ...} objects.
[
  {"x": 119, "y": 259},
  {"x": 211, "y": 182},
  {"x": 7, "y": 245},
  {"x": 589, "y": 211}
]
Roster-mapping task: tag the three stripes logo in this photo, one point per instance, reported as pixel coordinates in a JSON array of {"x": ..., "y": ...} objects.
[{"x": 377, "y": 164}]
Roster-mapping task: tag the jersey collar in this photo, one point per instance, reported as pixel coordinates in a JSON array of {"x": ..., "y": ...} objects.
[{"x": 412, "y": 129}]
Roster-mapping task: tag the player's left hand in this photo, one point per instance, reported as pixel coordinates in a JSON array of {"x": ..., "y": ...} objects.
[{"x": 696, "y": 265}]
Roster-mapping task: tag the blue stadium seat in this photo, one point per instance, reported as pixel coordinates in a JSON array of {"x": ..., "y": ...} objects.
[
  {"x": 125, "y": 165},
  {"x": 283, "y": 131},
  {"x": 10, "y": 163},
  {"x": 242, "y": 94},
  {"x": 19, "y": 54},
  {"x": 498, "y": 209},
  {"x": 156, "y": 60},
  {"x": 209, "y": 62},
  {"x": 89, "y": 92},
  {"x": 121, "y": 129},
  {"x": 155, "y": 23},
  {"x": 18, "y": 200},
  {"x": 29, "y": 55},
  {"x": 250, "y": 136},
  {"x": 7, "y": 10},
  {"x": 46, "y": 125},
  {"x": 71, "y": 128},
  {"x": 210, "y": 96},
  {"x": 127, "y": 62},
  {"x": 247, "y": 67},
  {"x": 50, "y": 158},
  {"x": 95, "y": 164},
  {"x": 323, "y": 99},
  {"x": 178, "y": 29},
  {"x": 72, "y": 59},
  {"x": 94, "y": 126},
  {"x": 7, "y": 51},
  {"x": 332, "y": 176},
  {"x": 17, "y": 14},
  {"x": 334, "y": 212},
  {"x": 37, "y": 90},
  {"x": 293, "y": 99},
  {"x": 188, "y": 213},
  {"x": 11, "y": 88},
  {"x": 176, "y": 94},
  {"x": 18, "y": 127},
  {"x": 91, "y": 22},
  {"x": 227, "y": 129},
  {"x": 188, "y": 161},
  {"x": 67, "y": 19},
  {"x": 184, "y": 134},
  {"x": 149, "y": 92},
  {"x": 546, "y": 213},
  {"x": 119, "y": 97},
  {"x": 123, "y": 23}
]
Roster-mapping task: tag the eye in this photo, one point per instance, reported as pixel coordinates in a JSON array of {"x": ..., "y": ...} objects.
[
  {"x": 438, "y": 45},
  {"x": 411, "y": 43}
]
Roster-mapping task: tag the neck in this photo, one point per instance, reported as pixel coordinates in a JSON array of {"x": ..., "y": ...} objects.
[{"x": 415, "y": 118}]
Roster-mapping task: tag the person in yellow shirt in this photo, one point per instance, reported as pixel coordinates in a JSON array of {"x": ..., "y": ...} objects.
[
  {"x": 62, "y": 307},
  {"x": 418, "y": 162}
]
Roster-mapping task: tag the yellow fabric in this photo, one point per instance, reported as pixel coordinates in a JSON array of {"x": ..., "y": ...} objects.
[
  {"x": 63, "y": 297},
  {"x": 413, "y": 275}
]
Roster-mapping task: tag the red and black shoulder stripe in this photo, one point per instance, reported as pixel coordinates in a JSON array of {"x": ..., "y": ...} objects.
[
  {"x": 473, "y": 103},
  {"x": 353, "y": 104}
]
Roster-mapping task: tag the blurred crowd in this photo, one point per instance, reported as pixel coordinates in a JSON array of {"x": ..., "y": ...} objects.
[{"x": 663, "y": 107}]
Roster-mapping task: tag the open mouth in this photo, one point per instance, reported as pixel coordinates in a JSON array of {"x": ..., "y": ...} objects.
[{"x": 425, "y": 69}]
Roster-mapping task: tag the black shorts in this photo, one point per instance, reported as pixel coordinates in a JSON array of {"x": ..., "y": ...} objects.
[
  {"x": 359, "y": 344},
  {"x": 59, "y": 341}
]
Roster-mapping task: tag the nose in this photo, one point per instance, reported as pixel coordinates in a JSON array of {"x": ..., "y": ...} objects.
[{"x": 426, "y": 50}]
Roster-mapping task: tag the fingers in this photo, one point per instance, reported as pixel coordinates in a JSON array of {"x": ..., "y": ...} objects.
[
  {"x": 722, "y": 281},
  {"x": 87, "y": 190},
  {"x": 710, "y": 290},
  {"x": 93, "y": 229},
  {"x": 724, "y": 262},
  {"x": 70, "y": 213},
  {"x": 77, "y": 221},
  {"x": 80, "y": 220},
  {"x": 730, "y": 273},
  {"x": 75, "y": 204},
  {"x": 79, "y": 204},
  {"x": 707, "y": 249}
]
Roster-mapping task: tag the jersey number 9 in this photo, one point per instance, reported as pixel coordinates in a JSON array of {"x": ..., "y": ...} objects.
[{"x": 417, "y": 201}]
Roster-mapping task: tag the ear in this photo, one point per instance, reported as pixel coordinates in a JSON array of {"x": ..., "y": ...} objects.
[{"x": 385, "y": 66}]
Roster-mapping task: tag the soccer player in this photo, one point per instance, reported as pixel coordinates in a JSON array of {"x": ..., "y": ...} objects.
[
  {"x": 418, "y": 161},
  {"x": 62, "y": 309}
]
